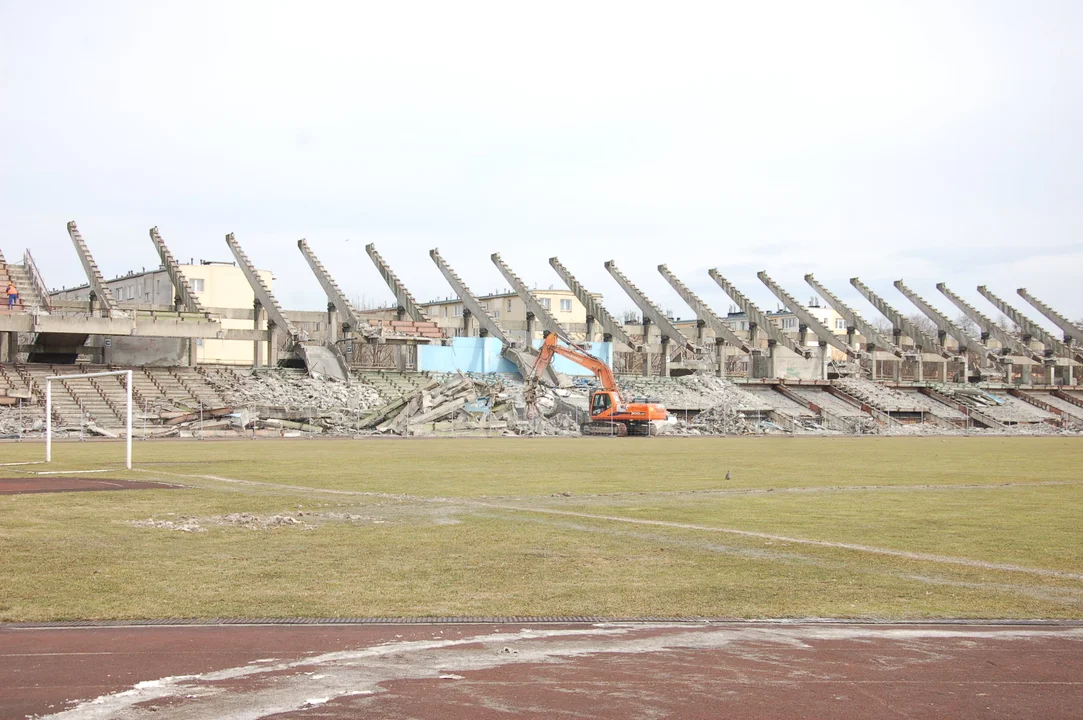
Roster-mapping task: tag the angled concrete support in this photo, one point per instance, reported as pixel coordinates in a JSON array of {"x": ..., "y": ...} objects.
[
  {"x": 184, "y": 298},
  {"x": 756, "y": 317},
  {"x": 534, "y": 309},
  {"x": 263, "y": 294},
  {"x": 408, "y": 307},
  {"x": 825, "y": 336},
  {"x": 650, "y": 311},
  {"x": 1032, "y": 329},
  {"x": 596, "y": 313},
  {"x": 705, "y": 315},
  {"x": 988, "y": 327},
  {"x": 1072, "y": 333},
  {"x": 336, "y": 299},
  {"x": 99, "y": 290},
  {"x": 854, "y": 322}
]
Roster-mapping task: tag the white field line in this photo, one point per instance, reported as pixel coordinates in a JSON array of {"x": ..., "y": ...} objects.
[
  {"x": 73, "y": 472},
  {"x": 925, "y": 557},
  {"x": 25, "y": 462}
]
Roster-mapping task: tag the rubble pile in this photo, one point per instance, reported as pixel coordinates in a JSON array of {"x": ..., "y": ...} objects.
[
  {"x": 459, "y": 405},
  {"x": 724, "y": 419}
]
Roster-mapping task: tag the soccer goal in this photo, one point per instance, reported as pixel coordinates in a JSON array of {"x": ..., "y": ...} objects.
[{"x": 49, "y": 410}]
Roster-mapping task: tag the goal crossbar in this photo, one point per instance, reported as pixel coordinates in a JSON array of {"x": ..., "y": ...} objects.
[{"x": 74, "y": 376}]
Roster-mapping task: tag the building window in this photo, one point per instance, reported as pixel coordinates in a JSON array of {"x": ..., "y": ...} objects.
[
  {"x": 197, "y": 284},
  {"x": 496, "y": 314},
  {"x": 509, "y": 305},
  {"x": 546, "y": 303},
  {"x": 789, "y": 323},
  {"x": 146, "y": 297},
  {"x": 457, "y": 311},
  {"x": 445, "y": 311},
  {"x": 565, "y": 305},
  {"x": 840, "y": 324}
]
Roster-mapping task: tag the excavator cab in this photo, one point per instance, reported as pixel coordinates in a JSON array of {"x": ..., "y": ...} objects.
[{"x": 601, "y": 402}]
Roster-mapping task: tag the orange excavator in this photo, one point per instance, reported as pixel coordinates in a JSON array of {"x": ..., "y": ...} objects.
[{"x": 610, "y": 413}]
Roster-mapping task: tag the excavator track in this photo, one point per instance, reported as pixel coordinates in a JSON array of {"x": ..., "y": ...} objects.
[{"x": 607, "y": 429}]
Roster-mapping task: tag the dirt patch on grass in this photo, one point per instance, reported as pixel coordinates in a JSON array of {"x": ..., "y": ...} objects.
[
  {"x": 302, "y": 520},
  {"x": 22, "y": 485}
]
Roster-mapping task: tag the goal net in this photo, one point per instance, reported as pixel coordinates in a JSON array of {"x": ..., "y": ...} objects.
[{"x": 128, "y": 410}]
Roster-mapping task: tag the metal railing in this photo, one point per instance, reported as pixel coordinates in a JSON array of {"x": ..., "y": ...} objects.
[{"x": 36, "y": 279}]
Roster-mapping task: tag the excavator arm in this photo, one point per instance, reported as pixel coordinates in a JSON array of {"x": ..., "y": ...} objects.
[{"x": 551, "y": 346}]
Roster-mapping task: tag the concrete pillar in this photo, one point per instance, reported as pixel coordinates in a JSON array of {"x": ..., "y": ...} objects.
[
  {"x": 332, "y": 323},
  {"x": 772, "y": 357},
  {"x": 824, "y": 355},
  {"x": 193, "y": 352},
  {"x": 590, "y": 328},
  {"x": 530, "y": 319},
  {"x": 665, "y": 357},
  {"x": 701, "y": 328},
  {"x": 466, "y": 323},
  {"x": 896, "y": 370},
  {"x": 272, "y": 345},
  {"x": 646, "y": 347},
  {"x": 9, "y": 347},
  {"x": 851, "y": 335},
  {"x": 943, "y": 370},
  {"x": 400, "y": 313},
  {"x": 257, "y": 346},
  {"x": 1025, "y": 372},
  {"x": 720, "y": 357},
  {"x": 919, "y": 369}
]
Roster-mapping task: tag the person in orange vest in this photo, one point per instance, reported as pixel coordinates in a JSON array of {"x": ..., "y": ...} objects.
[{"x": 13, "y": 296}]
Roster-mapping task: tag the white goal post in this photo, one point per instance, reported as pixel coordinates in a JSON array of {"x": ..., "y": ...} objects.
[{"x": 49, "y": 410}]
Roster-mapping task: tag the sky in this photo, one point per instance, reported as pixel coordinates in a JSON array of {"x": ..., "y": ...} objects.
[{"x": 929, "y": 141}]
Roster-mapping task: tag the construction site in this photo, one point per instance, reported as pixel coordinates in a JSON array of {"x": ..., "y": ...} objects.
[{"x": 214, "y": 354}]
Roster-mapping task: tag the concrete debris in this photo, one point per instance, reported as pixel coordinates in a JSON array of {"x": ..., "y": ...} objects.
[{"x": 285, "y": 402}]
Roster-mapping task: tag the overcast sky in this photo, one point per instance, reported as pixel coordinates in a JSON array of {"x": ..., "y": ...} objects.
[{"x": 930, "y": 141}]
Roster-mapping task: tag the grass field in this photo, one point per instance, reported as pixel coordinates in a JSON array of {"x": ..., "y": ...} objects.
[{"x": 825, "y": 527}]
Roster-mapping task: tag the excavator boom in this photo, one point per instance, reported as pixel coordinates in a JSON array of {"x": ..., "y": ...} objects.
[
  {"x": 609, "y": 412},
  {"x": 597, "y": 366}
]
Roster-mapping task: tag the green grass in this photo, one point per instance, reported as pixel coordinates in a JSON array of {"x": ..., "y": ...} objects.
[{"x": 477, "y": 527}]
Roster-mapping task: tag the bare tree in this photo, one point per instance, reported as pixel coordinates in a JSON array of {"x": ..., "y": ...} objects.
[
  {"x": 923, "y": 323},
  {"x": 968, "y": 326},
  {"x": 1008, "y": 326},
  {"x": 882, "y": 326}
]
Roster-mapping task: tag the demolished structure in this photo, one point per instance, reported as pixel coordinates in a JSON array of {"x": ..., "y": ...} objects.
[{"x": 341, "y": 370}]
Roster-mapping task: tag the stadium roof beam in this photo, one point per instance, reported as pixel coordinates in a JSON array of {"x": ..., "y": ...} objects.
[
  {"x": 183, "y": 296},
  {"x": 335, "y": 297},
  {"x": 407, "y": 304},
  {"x": 703, "y": 311},
  {"x": 944, "y": 326},
  {"x": 650, "y": 310},
  {"x": 261, "y": 291},
  {"x": 988, "y": 327},
  {"x": 521, "y": 358},
  {"x": 533, "y": 307},
  {"x": 101, "y": 291},
  {"x": 901, "y": 324},
  {"x": 595, "y": 310},
  {"x": 872, "y": 336},
  {"x": 1052, "y": 345},
  {"x": 756, "y": 317},
  {"x": 1072, "y": 333},
  {"x": 826, "y": 337}
]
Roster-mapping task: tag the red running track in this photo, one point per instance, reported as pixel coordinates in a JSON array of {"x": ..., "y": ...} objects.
[{"x": 480, "y": 671}]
